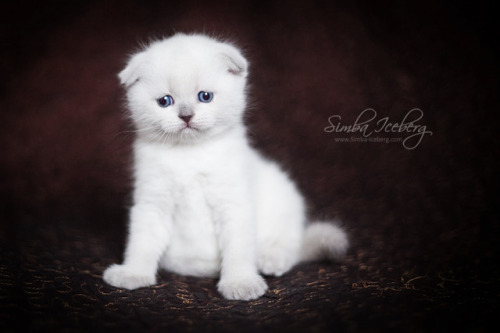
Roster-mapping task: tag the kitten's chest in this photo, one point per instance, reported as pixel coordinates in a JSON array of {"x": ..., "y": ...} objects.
[
  {"x": 194, "y": 228},
  {"x": 192, "y": 182},
  {"x": 188, "y": 183}
]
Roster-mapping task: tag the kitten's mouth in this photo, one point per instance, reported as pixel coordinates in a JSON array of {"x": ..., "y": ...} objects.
[{"x": 189, "y": 127}]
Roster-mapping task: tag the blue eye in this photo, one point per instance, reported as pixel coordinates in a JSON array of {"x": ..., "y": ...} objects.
[
  {"x": 205, "y": 97},
  {"x": 165, "y": 101}
]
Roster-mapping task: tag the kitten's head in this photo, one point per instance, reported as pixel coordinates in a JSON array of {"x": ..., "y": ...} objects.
[{"x": 185, "y": 88}]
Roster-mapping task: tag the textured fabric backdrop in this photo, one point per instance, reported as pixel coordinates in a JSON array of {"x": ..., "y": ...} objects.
[{"x": 423, "y": 223}]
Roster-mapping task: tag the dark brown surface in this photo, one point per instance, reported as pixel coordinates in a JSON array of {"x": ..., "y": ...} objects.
[{"x": 423, "y": 223}]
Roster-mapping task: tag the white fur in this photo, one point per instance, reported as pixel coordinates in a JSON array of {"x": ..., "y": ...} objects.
[{"x": 205, "y": 202}]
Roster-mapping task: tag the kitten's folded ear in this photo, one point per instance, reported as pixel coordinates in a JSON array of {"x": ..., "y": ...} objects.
[
  {"x": 130, "y": 74},
  {"x": 234, "y": 61}
]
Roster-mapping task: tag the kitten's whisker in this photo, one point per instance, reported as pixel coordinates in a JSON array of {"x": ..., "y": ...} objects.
[{"x": 138, "y": 130}]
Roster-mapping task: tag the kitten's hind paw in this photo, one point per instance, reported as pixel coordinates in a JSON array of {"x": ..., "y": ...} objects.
[
  {"x": 242, "y": 288},
  {"x": 276, "y": 261},
  {"x": 125, "y": 277}
]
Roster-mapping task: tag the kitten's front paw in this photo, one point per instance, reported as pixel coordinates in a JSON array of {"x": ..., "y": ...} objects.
[
  {"x": 242, "y": 288},
  {"x": 125, "y": 277}
]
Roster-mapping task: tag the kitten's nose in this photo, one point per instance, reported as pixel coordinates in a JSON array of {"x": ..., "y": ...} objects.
[
  {"x": 186, "y": 118},
  {"x": 185, "y": 113}
]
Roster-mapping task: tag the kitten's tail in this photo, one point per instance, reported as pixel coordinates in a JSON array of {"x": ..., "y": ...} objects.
[{"x": 323, "y": 240}]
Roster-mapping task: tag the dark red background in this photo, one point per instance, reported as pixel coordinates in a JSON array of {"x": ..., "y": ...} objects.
[{"x": 423, "y": 223}]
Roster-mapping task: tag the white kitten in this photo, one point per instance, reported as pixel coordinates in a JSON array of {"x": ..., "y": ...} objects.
[{"x": 205, "y": 202}]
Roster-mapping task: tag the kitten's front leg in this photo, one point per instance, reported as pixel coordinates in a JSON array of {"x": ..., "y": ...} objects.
[
  {"x": 239, "y": 278},
  {"x": 148, "y": 238}
]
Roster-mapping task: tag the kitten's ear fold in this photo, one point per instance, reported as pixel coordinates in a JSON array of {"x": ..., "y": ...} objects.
[
  {"x": 235, "y": 62},
  {"x": 130, "y": 74}
]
